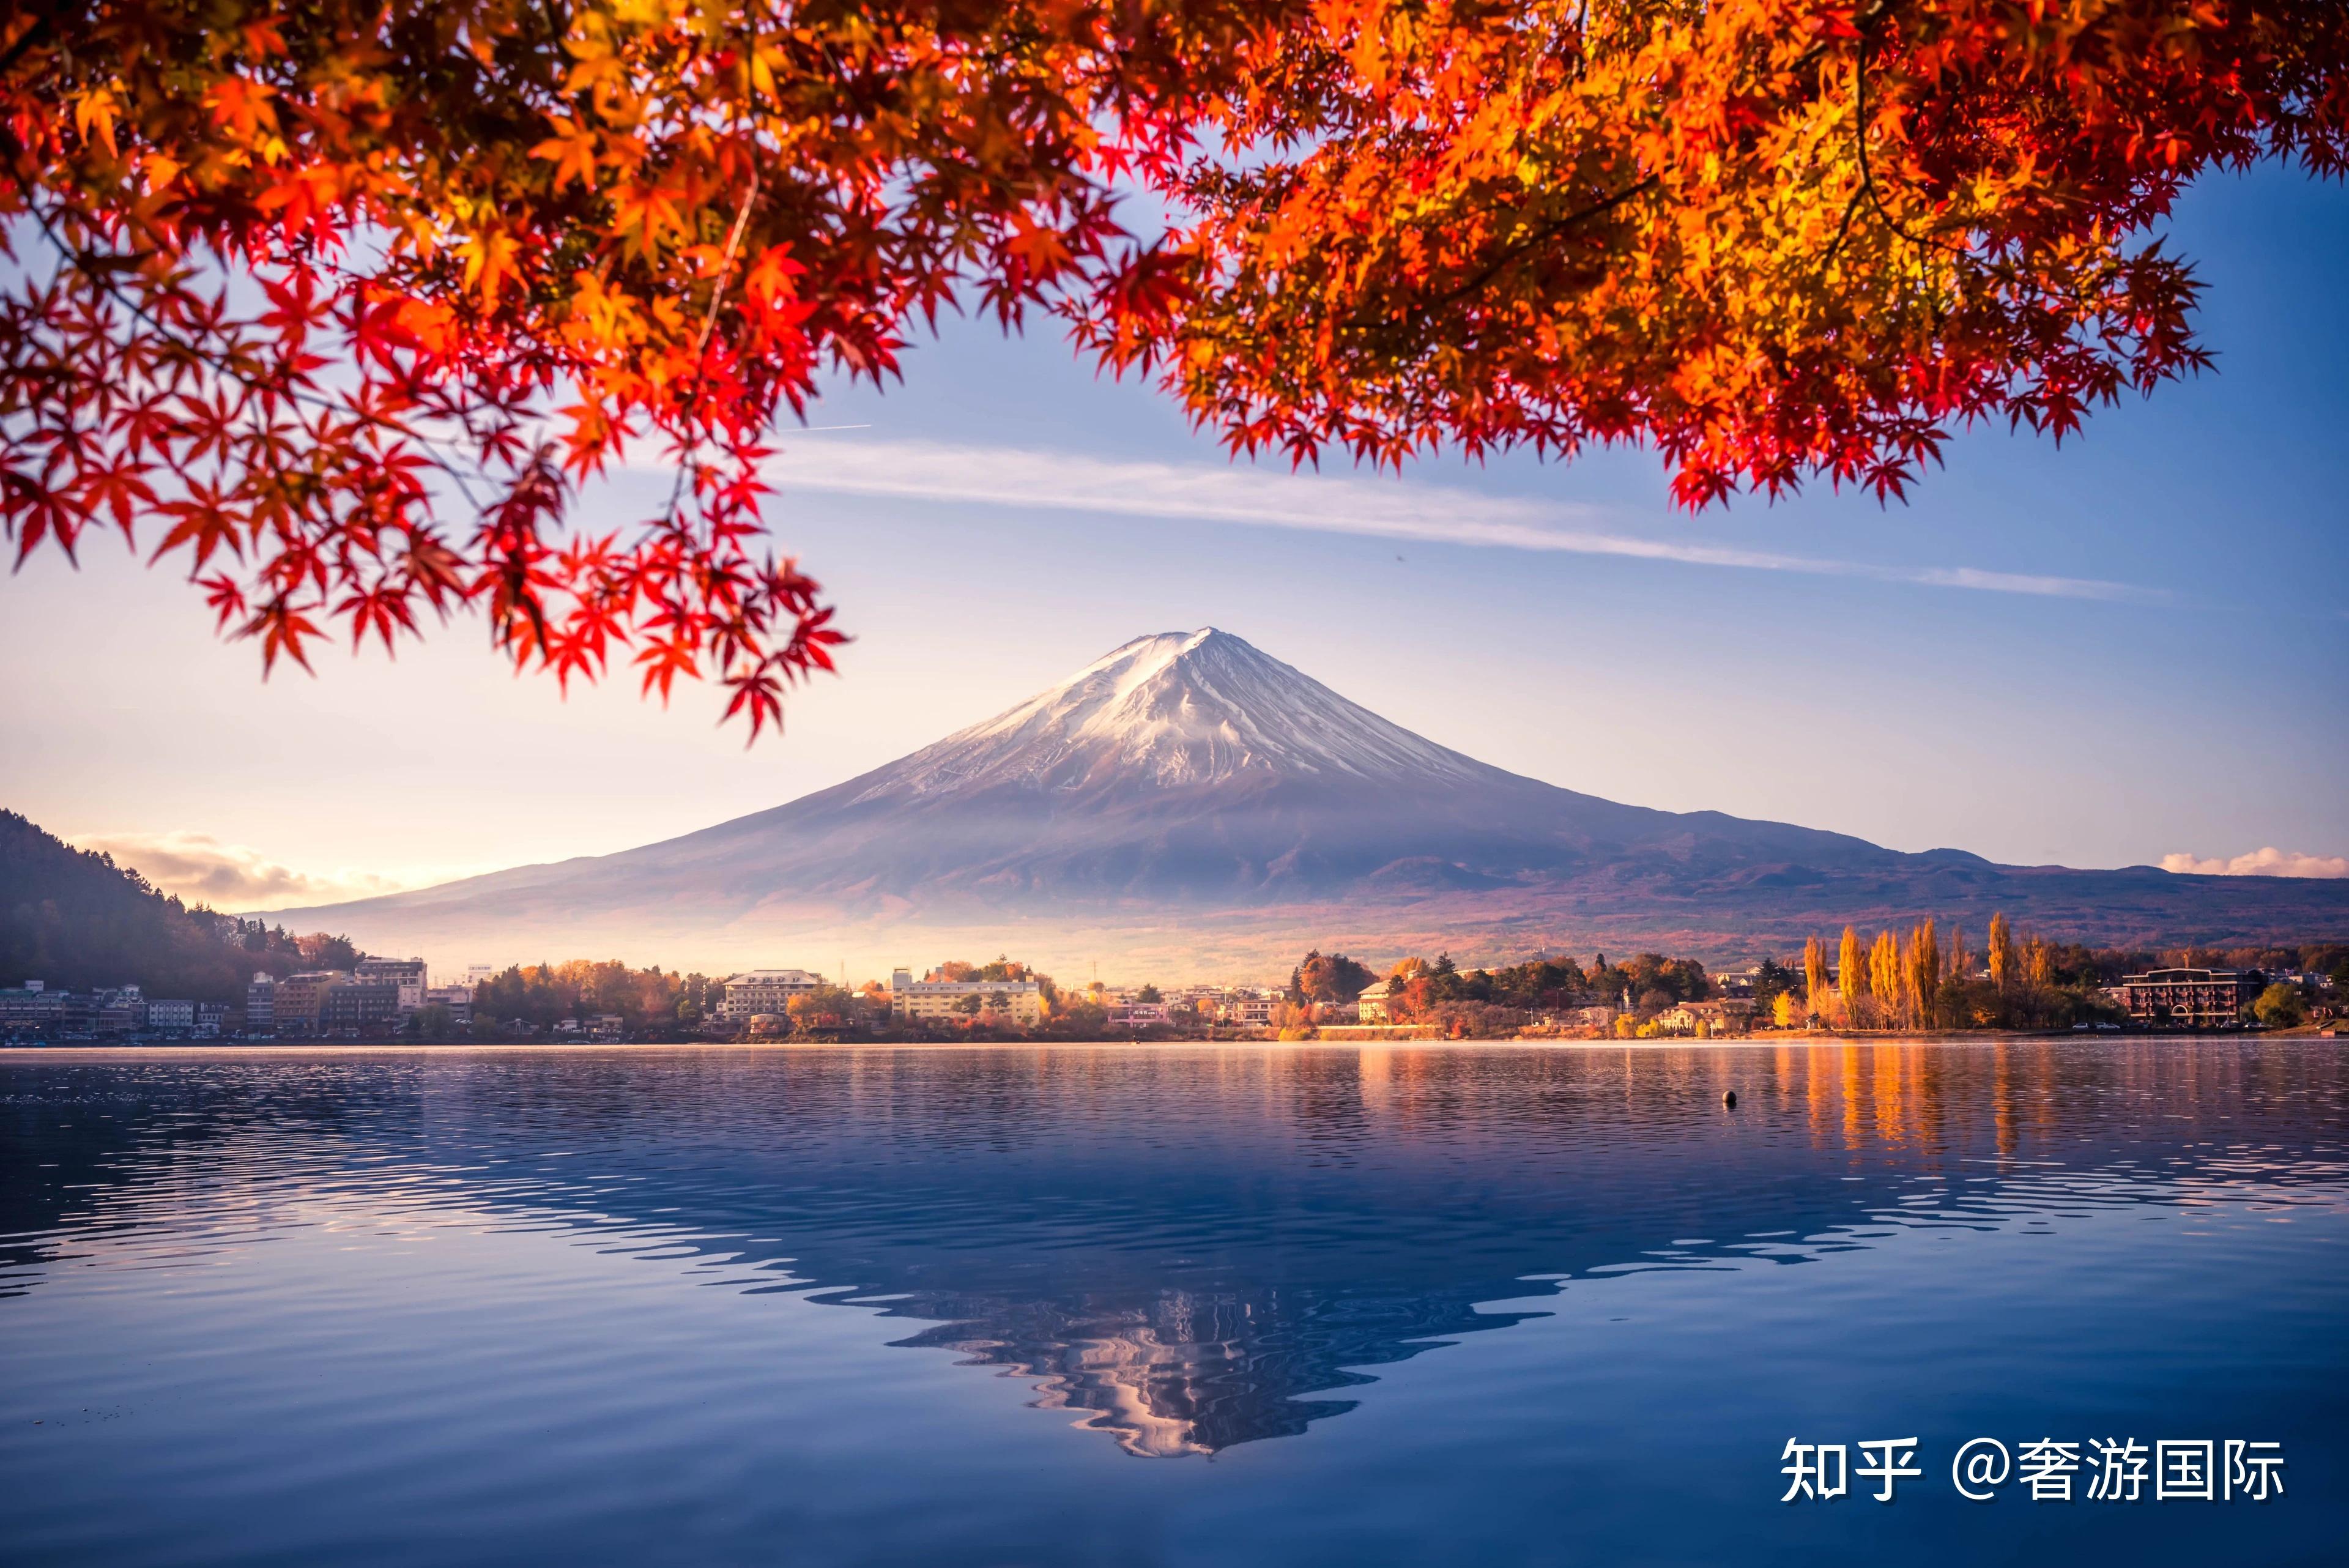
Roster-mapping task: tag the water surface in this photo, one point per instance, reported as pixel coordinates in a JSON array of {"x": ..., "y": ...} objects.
[{"x": 1143, "y": 1305}]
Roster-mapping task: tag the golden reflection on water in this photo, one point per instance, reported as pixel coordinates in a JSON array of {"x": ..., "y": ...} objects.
[
  {"x": 1894, "y": 1096},
  {"x": 1432, "y": 1178}
]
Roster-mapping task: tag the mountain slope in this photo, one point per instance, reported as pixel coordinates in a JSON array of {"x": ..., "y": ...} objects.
[
  {"x": 1190, "y": 781},
  {"x": 77, "y": 921}
]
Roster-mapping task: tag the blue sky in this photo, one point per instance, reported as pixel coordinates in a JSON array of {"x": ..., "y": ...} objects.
[{"x": 2171, "y": 677}]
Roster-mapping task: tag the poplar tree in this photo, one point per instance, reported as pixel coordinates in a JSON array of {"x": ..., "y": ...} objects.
[
  {"x": 1814, "y": 973},
  {"x": 1851, "y": 976},
  {"x": 1924, "y": 974},
  {"x": 2001, "y": 953},
  {"x": 1884, "y": 970}
]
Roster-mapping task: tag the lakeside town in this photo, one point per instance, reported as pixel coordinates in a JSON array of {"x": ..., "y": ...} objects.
[
  {"x": 1889, "y": 985},
  {"x": 99, "y": 956}
]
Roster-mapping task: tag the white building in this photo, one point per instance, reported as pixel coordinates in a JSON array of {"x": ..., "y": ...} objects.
[
  {"x": 170, "y": 1013},
  {"x": 1019, "y": 1000},
  {"x": 409, "y": 974},
  {"x": 260, "y": 1004},
  {"x": 457, "y": 999},
  {"x": 1255, "y": 1012},
  {"x": 765, "y": 991}
]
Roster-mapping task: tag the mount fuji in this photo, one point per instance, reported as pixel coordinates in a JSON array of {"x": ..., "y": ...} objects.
[{"x": 1190, "y": 803}]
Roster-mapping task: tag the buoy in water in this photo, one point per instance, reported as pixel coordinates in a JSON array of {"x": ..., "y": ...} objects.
[{"x": 1729, "y": 1098}]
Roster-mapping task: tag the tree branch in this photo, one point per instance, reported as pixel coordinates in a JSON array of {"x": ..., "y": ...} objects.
[{"x": 1541, "y": 233}]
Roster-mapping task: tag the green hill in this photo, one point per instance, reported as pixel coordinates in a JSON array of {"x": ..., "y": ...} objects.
[{"x": 77, "y": 921}]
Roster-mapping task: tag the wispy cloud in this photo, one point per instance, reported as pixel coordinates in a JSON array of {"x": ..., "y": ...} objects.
[
  {"x": 2267, "y": 862},
  {"x": 1333, "y": 503},
  {"x": 231, "y": 877}
]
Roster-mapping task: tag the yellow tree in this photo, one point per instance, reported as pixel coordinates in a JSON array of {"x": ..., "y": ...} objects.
[
  {"x": 2039, "y": 960},
  {"x": 1884, "y": 970},
  {"x": 1851, "y": 976},
  {"x": 2001, "y": 953},
  {"x": 1814, "y": 974},
  {"x": 1922, "y": 980}
]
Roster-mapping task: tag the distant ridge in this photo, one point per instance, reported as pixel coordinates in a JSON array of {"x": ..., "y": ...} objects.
[{"x": 1190, "y": 802}]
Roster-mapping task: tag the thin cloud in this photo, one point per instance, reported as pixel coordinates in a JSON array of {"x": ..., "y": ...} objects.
[
  {"x": 1332, "y": 504},
  {"x": 230, "y": 877},
  {"x": 2267, "y": 862}
]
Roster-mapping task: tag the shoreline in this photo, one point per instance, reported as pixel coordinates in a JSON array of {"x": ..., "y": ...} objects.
[{"x": 527, "y": 1047}]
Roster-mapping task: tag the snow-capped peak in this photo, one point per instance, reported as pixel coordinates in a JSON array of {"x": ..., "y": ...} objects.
[{"x": 1176, "y": 709}]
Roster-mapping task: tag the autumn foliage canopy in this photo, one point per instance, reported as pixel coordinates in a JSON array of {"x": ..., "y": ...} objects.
[{"x": 339, "y": 304}]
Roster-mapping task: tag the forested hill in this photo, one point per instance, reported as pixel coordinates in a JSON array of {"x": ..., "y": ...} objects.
[{"x": 77, "y": 921}]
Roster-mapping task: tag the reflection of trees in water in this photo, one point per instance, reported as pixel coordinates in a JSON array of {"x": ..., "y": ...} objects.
[{"x": 1192, "y": 1247}]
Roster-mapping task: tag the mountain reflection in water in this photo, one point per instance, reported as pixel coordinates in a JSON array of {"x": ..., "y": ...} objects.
[{"x": 1194, "y": 1246}]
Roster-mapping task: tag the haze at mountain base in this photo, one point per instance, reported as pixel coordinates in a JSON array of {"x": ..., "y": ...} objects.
[{"x": 1189, "y": 806}]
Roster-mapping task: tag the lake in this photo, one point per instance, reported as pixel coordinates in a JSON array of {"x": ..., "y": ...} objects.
[{"x": 1181, "y": 1305}]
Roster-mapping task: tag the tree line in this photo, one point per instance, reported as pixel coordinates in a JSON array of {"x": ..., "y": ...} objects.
[
  {"x": 75, "y": 920},
  {"x": 1925, "y": 977}
]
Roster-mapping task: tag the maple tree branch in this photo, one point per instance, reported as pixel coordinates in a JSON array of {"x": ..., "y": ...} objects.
[
  {"x": 1868, "y": 178},
  {"x": 43, "y": 20},
  {"x": 1843, "y": 229},
  {"x": 725, "y": 272},
  {"x": 82, "y": 263},
  {"x": 709, "y": 316},
  {"x": 1542, "y": 232}
]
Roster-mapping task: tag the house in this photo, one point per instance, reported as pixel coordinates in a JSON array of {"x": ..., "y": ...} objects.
[
  {"x": 30, "y": 1006},
  {"x": 170, "y": 1013},
  {"x": 457, "y": 999},
  {"x": 2187, "y": 998},
  {"x": 1730, "y": 1015},
  {"x": 298, "y": 1001},
  {"x": 355, "y": 1006},
  {"x": 1019, "y": 1000},
  {"x": 765, "y": 991},
  {"x": 1371, "y": 1007},
  {"x": 408, "y": 975},
  {"x": 122, "y": 1011},
  {"x": 1705, "y": 1018},
  {"x": 1252, "y": 1012}
]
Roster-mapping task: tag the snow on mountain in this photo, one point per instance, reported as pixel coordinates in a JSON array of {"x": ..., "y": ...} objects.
[
  {"x": 1176, "y": 709},
  {"x": 1190, "y": 796}
]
